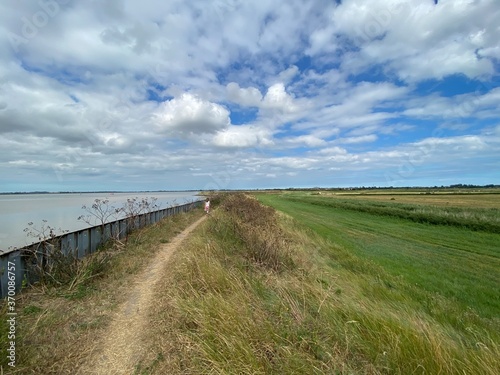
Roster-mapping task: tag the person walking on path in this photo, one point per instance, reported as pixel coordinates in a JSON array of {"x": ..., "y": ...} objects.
[{"x": 207, "y": 206}]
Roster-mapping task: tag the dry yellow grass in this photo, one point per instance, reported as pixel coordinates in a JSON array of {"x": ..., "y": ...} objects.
[{"x": 447, "y": 200}]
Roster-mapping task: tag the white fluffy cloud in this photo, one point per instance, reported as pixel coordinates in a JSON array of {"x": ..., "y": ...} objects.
[
  {"x": 415, "y": 39},
  {"x": 189, "y": 115},
  {"x": 243, "y": 137},
  {"x": 247, "y": 97},
  {"x": 278, "y": 99},
  {"x": 307, "y": 140}
]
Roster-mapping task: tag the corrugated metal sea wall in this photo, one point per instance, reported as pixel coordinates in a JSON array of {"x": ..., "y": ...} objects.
[{"x": 13, "y": 270}]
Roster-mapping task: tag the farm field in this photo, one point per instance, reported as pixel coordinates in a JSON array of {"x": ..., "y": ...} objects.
[
  {"x": 459, "y": 264},
  {"x": 474, "y": 199}
]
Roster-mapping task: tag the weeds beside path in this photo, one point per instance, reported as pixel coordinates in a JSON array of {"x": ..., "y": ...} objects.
[{"x": 120, "y": 347}]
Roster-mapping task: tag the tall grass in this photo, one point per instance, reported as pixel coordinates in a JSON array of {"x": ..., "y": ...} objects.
[
  {"x": 459, "y": 264},
  {"x": 227, "y": 308}
]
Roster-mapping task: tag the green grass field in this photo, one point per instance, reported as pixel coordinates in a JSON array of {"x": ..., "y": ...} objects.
[
  {"x": 458, "y": 264},
  {"x": 448, "y": 273}
]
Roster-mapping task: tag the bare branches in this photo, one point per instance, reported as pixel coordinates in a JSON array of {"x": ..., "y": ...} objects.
[
  {"x": 100, "y": 212},
  {"x": 49, "y": 263},
  {"x": 135, "y": 207},
  {"x": 44, "y": 233}
]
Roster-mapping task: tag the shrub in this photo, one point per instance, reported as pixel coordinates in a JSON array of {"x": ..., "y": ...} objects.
[{"x": 256, "y": 226}]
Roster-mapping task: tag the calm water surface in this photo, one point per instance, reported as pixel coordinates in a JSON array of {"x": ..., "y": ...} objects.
[{"x": 62, "y": 211}]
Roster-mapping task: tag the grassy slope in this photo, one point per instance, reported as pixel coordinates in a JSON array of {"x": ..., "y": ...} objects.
[{"x": 226, "y": 308}]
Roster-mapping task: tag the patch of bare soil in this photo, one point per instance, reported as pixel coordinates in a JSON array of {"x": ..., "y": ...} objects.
[{"x": 119, "y": 349}]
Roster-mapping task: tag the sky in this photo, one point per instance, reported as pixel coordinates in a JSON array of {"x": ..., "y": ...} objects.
[{"x": 231, "y": 94}]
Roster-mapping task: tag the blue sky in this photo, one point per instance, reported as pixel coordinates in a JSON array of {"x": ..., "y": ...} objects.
[{"x": 230, "y": 94}]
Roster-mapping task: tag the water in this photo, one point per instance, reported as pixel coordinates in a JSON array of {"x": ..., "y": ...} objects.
[{"x": 61, "y": 211}]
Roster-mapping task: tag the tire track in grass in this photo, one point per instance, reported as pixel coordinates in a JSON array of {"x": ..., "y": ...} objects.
[{"x": 119, "y": 350}]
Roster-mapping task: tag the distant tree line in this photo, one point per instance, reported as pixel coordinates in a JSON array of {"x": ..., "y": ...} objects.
[{"x": 454, "y": 186}]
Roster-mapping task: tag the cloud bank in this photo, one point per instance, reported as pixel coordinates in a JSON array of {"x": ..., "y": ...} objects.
[{"x": 121, "y": 95}]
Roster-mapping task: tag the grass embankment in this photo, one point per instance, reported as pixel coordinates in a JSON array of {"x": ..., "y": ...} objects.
[
  {"x": 59, "y": 323},
  {"x": 255, "y": 292}
]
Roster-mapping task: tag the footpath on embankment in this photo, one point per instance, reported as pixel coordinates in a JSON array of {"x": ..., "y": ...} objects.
[{"x": 120, "y": 346}]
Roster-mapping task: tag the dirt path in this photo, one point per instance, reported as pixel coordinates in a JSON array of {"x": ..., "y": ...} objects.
[{"x": 120, "y": 346}]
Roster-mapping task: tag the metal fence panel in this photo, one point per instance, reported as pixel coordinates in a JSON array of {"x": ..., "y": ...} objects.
[
  {"x": 96, "y": 239},
  {"x": 83, "y": 243},
  {"x": 80, "y": 243},
  {"x": 12, "y": 271},
  {"x": 68, "y": 243}
]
